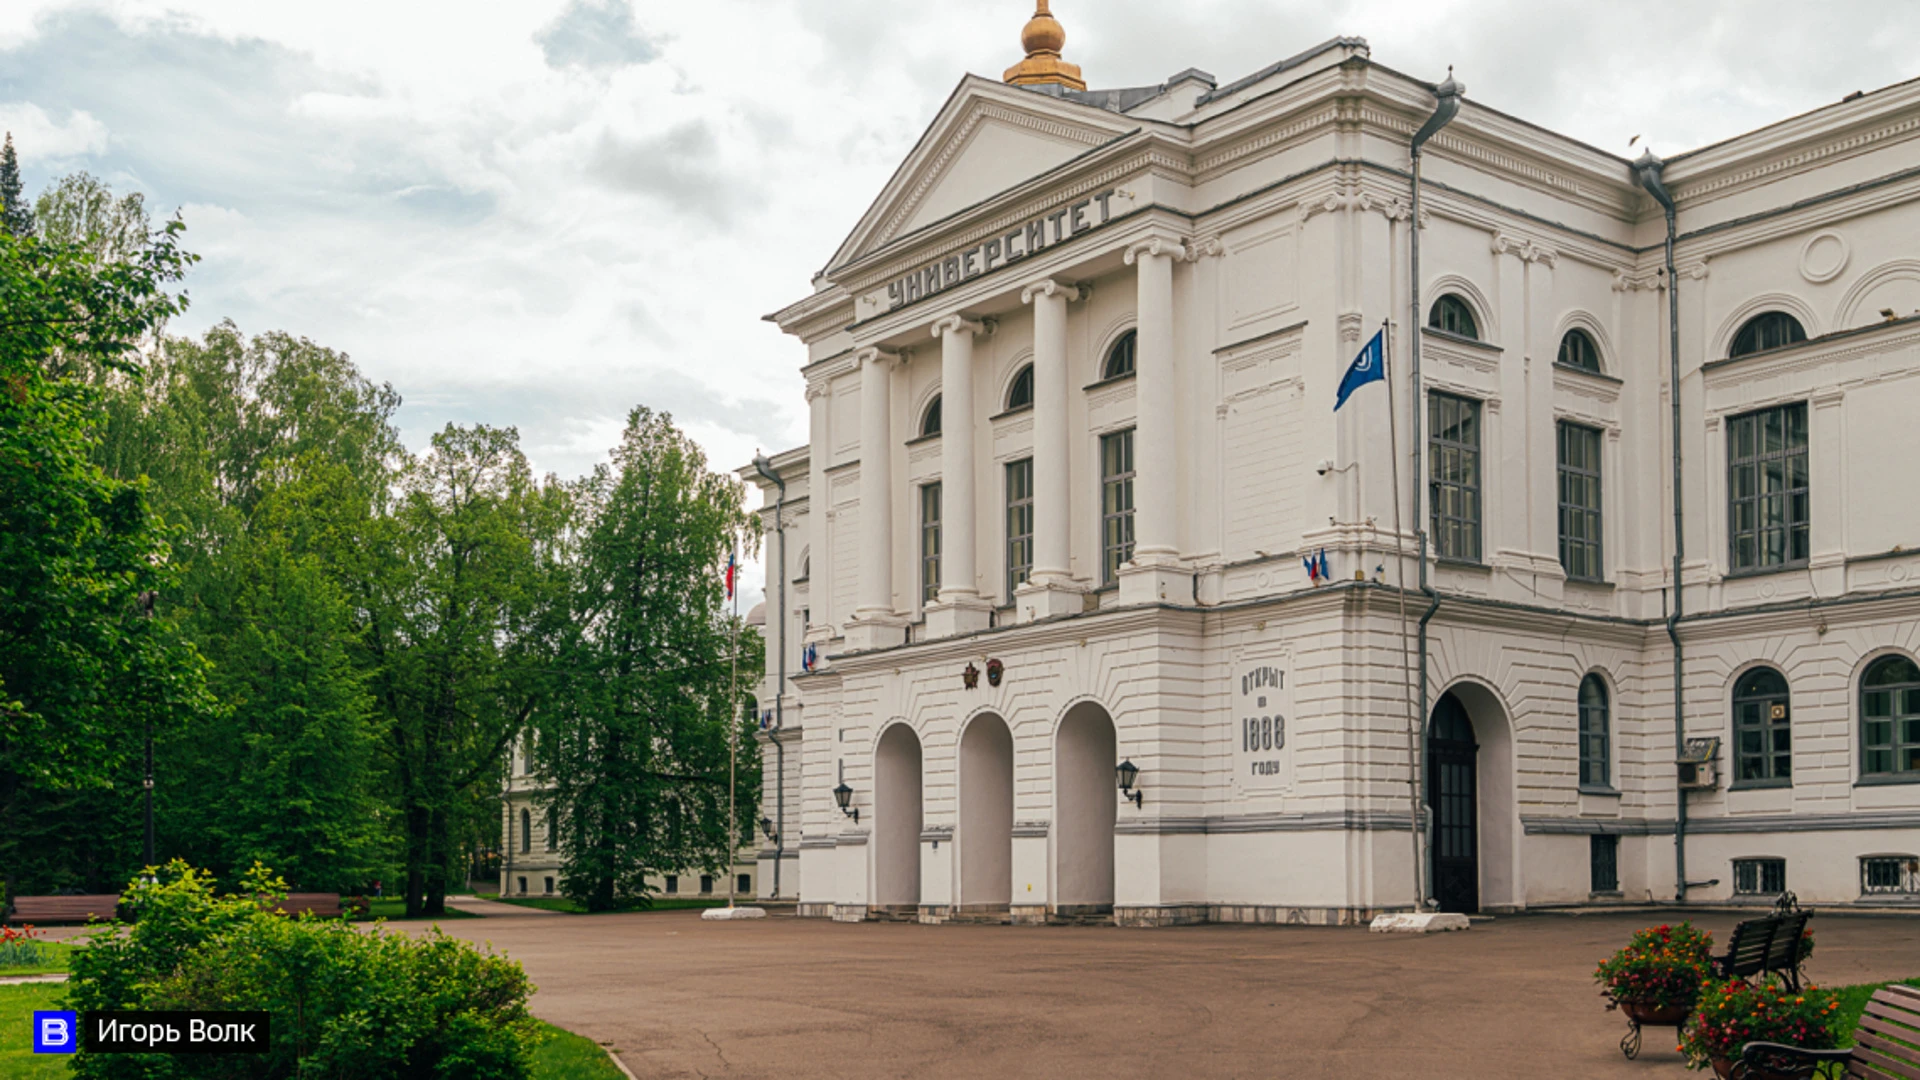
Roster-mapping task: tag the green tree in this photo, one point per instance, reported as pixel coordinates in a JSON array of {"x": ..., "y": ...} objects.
[
  {"x": 81, "y": 210},
  {"x": 16, "y": 217},
  {"x": 636, "y": 750},
  {"x": 464, "y": 613},
  {"x": 85, "y": 665}
]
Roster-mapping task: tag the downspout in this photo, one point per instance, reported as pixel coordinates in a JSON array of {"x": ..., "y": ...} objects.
[
  {"x": 765, "y": 468},
  {"x": 1648, "y": 169},
  {"x": 1448, "y": 93}
]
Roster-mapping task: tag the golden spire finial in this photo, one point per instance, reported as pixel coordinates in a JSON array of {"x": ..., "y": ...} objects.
[{"x": 1043, "y": 38}]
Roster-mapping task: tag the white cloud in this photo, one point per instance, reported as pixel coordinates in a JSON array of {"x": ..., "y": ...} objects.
[{"x": 30, "y": 125}]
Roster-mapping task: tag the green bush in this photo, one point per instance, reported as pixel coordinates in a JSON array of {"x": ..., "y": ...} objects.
[{"x": 346, "y": 1003}]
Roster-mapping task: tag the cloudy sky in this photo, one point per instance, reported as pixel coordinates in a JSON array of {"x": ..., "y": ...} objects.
[{"x": 541, "y": 213}]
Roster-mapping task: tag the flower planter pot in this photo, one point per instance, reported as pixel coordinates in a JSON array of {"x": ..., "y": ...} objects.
[
  {"x": 1723, "y": 1068},
  {"x": 1656, "y": 1015}
]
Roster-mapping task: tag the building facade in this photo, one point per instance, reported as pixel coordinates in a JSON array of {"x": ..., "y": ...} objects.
[{"x": 1075, "y": 470}]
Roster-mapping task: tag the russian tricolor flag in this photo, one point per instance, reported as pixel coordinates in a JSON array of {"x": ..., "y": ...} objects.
[{"x": 733, "y": 568}]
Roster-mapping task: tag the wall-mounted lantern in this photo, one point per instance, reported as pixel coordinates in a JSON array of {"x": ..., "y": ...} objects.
[
  {"x": 1127, "y": 772},
  {"x": 844, "y": 796}
]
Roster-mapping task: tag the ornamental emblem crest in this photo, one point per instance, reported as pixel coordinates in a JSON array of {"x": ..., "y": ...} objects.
[
  {"x": 995, "y": 670},
  {"x": 971, "y": 677}
]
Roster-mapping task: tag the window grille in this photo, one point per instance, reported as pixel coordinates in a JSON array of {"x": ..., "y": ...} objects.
[
  {"x": 1116, "y": 503},
  {"x": 1759, "y": 877},
  {"x": 1890, "y": 875},
  {"x": 1768, "y": 505},
  {"x": 1454, "y": 477},
  {"x": 1603, "y": 863},
  {"x": 1580, "y": 502},
  {"x": 1019, "y": 524}
]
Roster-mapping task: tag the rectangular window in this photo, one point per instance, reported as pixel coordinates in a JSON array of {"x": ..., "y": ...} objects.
[
  {"x": 1767, "y": 499},
  {"x": 706, "y": 884},
  {"x": 1890, "y": 875},
  {"x": 1603, "y": 863},
  {"x": 1580, "y": 502},
  {"x": 743, "y": 883},
  {"x": 673, "y": 883},
  {"x": 1453, "y": 479},
  {"x": 1116, "y": 503},
  {"x": 1019, "y": 524},
  {"x": 1759, "y": 877},
  {"x": 553, "y": 831},
  {"x": 929, "y": 543}
]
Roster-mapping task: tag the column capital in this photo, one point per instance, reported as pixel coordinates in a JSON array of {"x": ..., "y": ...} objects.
[
  {"x": 1050, "y": 286},
  {"x": 877, "y": 355},
  {"x": 1204, "y": 247},
  {"x": 1154, "y": 247},
  {"x": 962, "y": 324}
]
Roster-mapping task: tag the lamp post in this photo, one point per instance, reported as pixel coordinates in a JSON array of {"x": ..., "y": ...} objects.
[{"x": 1126, "y": 773}]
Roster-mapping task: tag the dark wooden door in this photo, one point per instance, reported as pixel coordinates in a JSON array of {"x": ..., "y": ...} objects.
[{"x": 1451, "y": 792}]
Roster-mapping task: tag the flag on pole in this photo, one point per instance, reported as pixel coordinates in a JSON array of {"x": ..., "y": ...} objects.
[
  {"x": 733, "y": 569},
  {"x": 809, "y": 657},
  {"x": 1369, "y": 366}
]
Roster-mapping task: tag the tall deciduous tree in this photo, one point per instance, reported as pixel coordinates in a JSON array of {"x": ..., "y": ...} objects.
[{"x": 636, "y": 750}]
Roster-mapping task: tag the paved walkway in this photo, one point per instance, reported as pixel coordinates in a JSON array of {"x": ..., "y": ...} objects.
[
  {"x": 784, "y": 997},
  {"x": 494, "y": 909}
]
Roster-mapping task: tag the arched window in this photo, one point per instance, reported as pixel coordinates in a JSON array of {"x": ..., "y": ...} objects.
[
  {"x": 1577, "y": 350},
  {"x": 1120, "y": 357},
  {"x": 1767, "y": 330},
  {"x": 1020, "y": 394},
  {"x": 1594, "y": 733},
  {"x": 526, "y": 833},
  {"x": 1763, "y": 743},
  {"x": 1890, "y": 718},
  {"x": 930, "y": 422},
  {"x": 553, "y": 833},
  {"x": 1451, "y": 314}
]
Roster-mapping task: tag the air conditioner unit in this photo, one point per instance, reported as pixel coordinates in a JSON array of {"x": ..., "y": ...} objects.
[{"x": 1699, "y": 762}]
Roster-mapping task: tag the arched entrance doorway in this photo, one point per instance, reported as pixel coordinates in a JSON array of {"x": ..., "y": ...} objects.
[
  {"x": 1085, "y": 805},
  {"x": 986, "y": 814},
  {"x": 1452, "y": 769},
  {"x": 896, "y": 819}
]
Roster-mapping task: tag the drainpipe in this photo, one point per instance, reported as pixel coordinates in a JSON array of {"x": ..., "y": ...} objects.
[
  {"x": 764, "y": 467},
  {"x": 1648, "y": 169},
  {"x": 1448, "y": 94}
]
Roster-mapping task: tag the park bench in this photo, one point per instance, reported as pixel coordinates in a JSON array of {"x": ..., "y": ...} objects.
[
  {"x": 40, "y": 910},
  {"x": 1886, "y": 1046},
  {"x": 1768, "y": 945},
  {"x": 323, "y": 904}
]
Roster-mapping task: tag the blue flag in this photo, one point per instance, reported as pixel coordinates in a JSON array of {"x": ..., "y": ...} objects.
[{"x": 1369, "y": 366}]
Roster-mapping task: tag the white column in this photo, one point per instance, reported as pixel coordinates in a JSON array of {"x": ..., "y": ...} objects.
[
  {"x": 1051, "y": 589},
  {"x": 960, "y": 609},
  {"x": 875, "y": 624},
  {"x": 1156, "y": 529}
]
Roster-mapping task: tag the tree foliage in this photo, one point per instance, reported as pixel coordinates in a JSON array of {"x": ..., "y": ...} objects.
[{"x": 636, "y": 753}]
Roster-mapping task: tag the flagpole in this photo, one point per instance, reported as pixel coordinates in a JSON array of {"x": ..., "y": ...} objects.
[
  {"x": 733, "y": 718},
  {"x": 1406, "y": 660}
]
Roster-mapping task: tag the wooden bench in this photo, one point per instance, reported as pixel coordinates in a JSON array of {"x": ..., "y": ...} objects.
[
  {"x": 58, "y": 909},
  {"x": 1886, "y": 1045},
  {"x": 1769, "y": 945},
  {"x": 324, "y": 904}
]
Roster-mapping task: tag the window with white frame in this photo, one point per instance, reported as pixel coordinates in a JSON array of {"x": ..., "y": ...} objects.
[
  {"x": 1768, "y": 501},
  {"x": 1019, "y": 524},
  {"x": 1116, "y": 503}
]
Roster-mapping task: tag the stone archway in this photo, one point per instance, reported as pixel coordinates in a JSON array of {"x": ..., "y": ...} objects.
[
  {"x": 986, "y": 814},
  {"x": 1086, "y": 803},
  {"x": 897, "y": 815},
  {"x": 1470, "y": 791}
]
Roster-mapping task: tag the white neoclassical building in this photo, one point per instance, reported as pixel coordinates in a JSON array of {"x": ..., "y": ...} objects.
[{"x": 1073, "y": 448}]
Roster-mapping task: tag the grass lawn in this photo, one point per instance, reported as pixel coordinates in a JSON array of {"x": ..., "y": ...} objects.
[
  {"x": 56, "y": 953},
  {"x": 660, "y": 903},
  {"x": 564, "y": 1056},
  {"x": 396, "y": 910}
]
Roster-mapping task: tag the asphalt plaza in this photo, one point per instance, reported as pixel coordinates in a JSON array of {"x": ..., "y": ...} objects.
[{"x": 785, "y": 997}]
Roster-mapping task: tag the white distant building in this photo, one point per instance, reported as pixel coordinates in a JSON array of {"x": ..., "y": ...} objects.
[{"x": 1072, "y": 380}]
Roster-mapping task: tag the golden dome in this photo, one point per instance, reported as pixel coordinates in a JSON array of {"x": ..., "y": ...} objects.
[{"x": 1043, "y": 38}]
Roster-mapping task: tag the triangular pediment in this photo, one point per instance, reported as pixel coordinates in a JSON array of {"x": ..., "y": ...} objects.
[{"x": 988, "y": 138}]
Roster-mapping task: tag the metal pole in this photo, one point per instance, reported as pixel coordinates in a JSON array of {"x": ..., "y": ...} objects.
[
  {"x": 1406, "y": 662},
  {"x": 765, "y": 467},
  {"x": 733, "y": 726}
]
